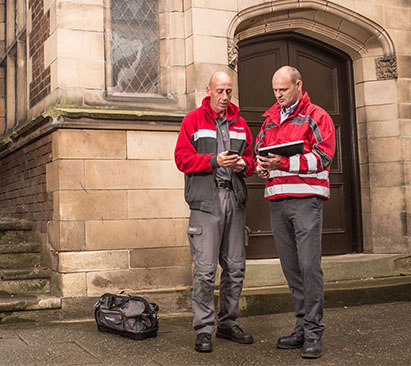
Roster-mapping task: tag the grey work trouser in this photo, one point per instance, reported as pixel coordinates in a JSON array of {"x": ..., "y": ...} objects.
[
  {"x": 217, "y": 237},
  {"x": 297, "y": 225}
]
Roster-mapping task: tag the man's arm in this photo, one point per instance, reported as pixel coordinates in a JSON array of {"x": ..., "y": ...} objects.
[{"x": 187, "y": 159}]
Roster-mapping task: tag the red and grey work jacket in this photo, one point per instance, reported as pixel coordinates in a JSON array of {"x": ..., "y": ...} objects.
[
  {"x": 196, "y": 154},
  {"x": 305, "y": 174}
]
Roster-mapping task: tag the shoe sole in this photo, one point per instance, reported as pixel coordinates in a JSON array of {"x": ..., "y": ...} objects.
[
  {"x": 289, "y": 347},
  {"x": 305, "y": 355},
  {"x": 203, "y": 350},
  {"x": 220, "y": 335}
]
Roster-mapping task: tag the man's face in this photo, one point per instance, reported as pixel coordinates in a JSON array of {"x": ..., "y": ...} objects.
[
  {"x": 286, "y": 91},
  {"x": 220, "y": 92}
]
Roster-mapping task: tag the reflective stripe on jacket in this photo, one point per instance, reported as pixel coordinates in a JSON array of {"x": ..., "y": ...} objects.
[{"x": 196, "y": 154}]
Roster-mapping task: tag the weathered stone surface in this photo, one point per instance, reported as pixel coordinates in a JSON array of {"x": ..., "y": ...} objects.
[{"x": 160, "y": 257}]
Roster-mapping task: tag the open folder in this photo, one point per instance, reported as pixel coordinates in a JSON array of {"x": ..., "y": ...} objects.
[{"x": 286, "y": 149}]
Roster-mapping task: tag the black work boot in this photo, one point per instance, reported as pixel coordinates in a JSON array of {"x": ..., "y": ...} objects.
[
  {"x": 203, "y": 343},
  {"x": 235, "y": 334},
  {"x": 292, "y": 341},
  {"x": 312, "y": 348}
]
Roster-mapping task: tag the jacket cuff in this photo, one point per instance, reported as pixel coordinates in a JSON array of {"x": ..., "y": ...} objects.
[
  {"x": 213, "y": 161},
  {"x": 244, "y": 171}
]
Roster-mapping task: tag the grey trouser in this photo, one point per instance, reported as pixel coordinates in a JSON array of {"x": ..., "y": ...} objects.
[
  {"x": 217, "y": 237},
  {"x": 297, "y": 225}
]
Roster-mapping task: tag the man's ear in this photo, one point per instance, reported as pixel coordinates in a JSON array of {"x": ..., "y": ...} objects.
[
  {"x": 208, "y": 89},
  {"x": 300, "y": 85}
]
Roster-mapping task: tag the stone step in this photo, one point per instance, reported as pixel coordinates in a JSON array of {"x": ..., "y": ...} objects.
[
  {"x": 31, "y": 286},
  {"x": 277, "y": 299},
  {"x": 20, "y": 236},
  {"x": 29, "y": 247},
  {"x": 19, "y": 260},
  {"x": 30, "y": 308},
  {"x": 15, "y": 225},
  {"x": 24, "y": 273},
  {"x": 268, "y": 272}
]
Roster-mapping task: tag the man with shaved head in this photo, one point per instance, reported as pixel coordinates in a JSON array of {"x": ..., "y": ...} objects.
[
  {"x": 214, "y": 151},
  {"x": 296, "y": 187}
]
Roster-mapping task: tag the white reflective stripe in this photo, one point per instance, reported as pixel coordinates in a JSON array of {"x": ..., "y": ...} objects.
[
  {"x": 312, "y": 162},
  {"x": 237, "y": 135},
  {"x": 279, "y": 173},
  {"x": 295, "y": 163},
  {"x": 204, "y": 133},
  {"x": 296, "y": 189}
]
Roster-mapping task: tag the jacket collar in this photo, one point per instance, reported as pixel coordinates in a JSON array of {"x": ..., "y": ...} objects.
[{"x": 274, "y": 111}]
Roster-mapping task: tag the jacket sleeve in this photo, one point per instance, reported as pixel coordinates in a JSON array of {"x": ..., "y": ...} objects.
[
  {"x": 248, "y": 155},
  {"x": 322, "y": 143},
  {"x": 185, "y": 155}
]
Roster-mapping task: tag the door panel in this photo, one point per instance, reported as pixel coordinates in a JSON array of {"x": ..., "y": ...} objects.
[{"x": 326, "y": 81}]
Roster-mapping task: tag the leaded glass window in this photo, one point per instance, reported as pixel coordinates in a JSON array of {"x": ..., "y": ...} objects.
[{"x": 134, "y": 47}]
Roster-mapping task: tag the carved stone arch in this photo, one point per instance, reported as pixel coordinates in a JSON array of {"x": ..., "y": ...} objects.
[{"x": 320, "y": 19}]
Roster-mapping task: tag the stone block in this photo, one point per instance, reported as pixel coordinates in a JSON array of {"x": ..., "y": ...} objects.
[
  {"x": 384, "y": 149},
  {"x": 80, "y": 16},
  {"x": 93, "y": 261},
  {"x": 149, "y": 233},
  {"x": 84, "y": 144},
  {"x": 388, "y": 201},
  {"x": 404, "y": 90},
  {"x": 65, "y": 174},
  {"x": 380, "y": 92},
  {"x": 386, "y": 174},
  {"x": 202, "y": 46},
  {"x": 406, "y": 143},
  {"x": 69, "y": 284},
  {"x": 160, "y": 257},
  {"x": 176, "y": 25},
  {"x": 405, "y": 113},
  {"x": 132, "y": 174},
  {"x": 189, "y": 50},
  {"x": 383, "y": 129},
  {"x": 372, "y": 11},
  {"x": 384, "y": 112},
  {"x": 80, "y": 45},
  {"x": 50, "y": 49},
  {"x": 404, "y": 69},
  {"x": 92, "y": 205},
  {"x": 397, "y": 17},
  {"x": 151, "y": 145},
  {"x": 188, "y": 23},
  {"x": 210, "y": 22},
  {"x": 244, "y": 4},
  {"x": 170, "y": 5},
  {"x": 66, "y": 235},
  {"x": 402, "y": 41},
  {"x": 80, "y": 73},
  {"x": 216, "y": 4},
  {"x": 138, "y": 280},
  {"x": 156, "y": 204}
]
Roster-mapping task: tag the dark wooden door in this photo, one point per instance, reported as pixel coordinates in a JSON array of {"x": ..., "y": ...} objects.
[{"x": 327, "y": 79}]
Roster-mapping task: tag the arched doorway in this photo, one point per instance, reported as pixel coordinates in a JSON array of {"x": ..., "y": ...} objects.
[{"x": 328, "y": 80}]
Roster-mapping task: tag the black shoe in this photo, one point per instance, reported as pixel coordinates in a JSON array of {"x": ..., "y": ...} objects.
[
  {"x": 203, "y": 343},
  {"x": 235, "y": 334},
  {"x": 292, "y": 341},
  {"x": 312, "y": 348}
]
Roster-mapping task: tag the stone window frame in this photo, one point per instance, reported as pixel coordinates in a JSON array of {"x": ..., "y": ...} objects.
[
  {"x": 161, "y": 97},
  {"x": 13, "y": 62}
]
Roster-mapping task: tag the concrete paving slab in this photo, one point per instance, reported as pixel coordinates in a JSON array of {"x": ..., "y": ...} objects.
[{"x": 366, "y": 335}]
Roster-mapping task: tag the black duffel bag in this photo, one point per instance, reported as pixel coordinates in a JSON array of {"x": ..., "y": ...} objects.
[{"x": 129, "y": 316}]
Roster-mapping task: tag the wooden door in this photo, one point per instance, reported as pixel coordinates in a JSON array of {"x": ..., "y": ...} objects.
[{"x": 327, "y": 79}]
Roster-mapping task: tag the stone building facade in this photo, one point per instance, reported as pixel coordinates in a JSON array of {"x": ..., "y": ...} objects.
[{"x": 92, "y": 94}]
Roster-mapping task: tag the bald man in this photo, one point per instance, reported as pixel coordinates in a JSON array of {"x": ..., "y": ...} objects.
[
  {"x": 214, "y": 151},
  {"x": 296, "y": 187}
]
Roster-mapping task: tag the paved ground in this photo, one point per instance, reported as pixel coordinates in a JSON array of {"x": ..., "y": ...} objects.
[{"x": 362, "y": 335}]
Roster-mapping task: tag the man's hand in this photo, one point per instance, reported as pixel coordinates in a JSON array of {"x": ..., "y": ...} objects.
[
  {"x": 233, "y": 161},
  {"x": 272, "y": 162},
  {"x": 262, "y": 173}
]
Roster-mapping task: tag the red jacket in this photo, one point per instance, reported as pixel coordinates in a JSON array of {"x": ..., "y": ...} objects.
[
  {"x": 303, "y": 174},
  {"x": 196, "y": 154}
]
